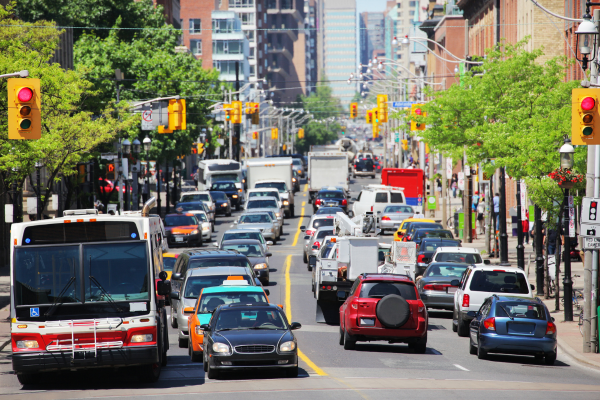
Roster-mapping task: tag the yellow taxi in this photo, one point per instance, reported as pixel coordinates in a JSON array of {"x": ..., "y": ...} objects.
[
  {"x": 169, "y": 260},
  {"x": 399, "y": 234}
]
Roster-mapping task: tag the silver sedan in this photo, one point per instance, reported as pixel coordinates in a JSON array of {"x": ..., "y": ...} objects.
[
  {"x": 261, "y": 222},
  {"x": 392, "y": 217}
]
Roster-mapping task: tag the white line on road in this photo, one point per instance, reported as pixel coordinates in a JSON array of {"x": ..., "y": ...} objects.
[{"x": 461, "y": 367}]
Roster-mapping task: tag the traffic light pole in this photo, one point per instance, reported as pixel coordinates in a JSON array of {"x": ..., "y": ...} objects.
[
  {"x": 520, "y": 247},
  {"x": 567, "y": 282},
  {"x": 502, "y": 216}
]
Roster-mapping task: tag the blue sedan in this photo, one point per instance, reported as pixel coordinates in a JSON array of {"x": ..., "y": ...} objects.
[{"x": 513, "y": 325}]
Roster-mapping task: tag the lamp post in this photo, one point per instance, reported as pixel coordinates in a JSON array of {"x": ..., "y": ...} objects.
[
  {"x": 566, "y": 162},
  {"x": 136, "y": 148},
  {"x": 502, "y": 216},
  {"x": 587, "y": 35},
  {"x": 123, "y": 185},
  {"x": 38, "y": 167},
  {"x": 147, "y": 146}
]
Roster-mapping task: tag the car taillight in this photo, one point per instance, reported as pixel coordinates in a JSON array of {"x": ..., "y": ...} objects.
[
  {"x": 344, "y": 202},
  {"x": 318, "y": 202},
  {"x": 490, "y": 324},
  {"x": 386, "y": 218},
  {"x": 379, "y": 167},
  {"x": 421, "y": 306},
  {"x": 309, "y": 232},
  {"x": 354, "y": 305},
  {"x": 421, "y": 257},
  {"x": 371, "y": 208},
  {"x": 436, "y": 286},
  {"x": 466, "y": 299},
  {"x": 317, "y": 244},
  {"x": 550, "y": 328}
]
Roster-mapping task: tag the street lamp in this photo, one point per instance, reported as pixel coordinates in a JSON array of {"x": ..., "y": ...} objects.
[
  {"x": 587, "y": 44},
  {"x": 147, "y": 144},
  {"x": 566, "y": 162},
  {"x": 566, "y": 155},
  {"x": 126, "y": 147},
  {"x": 137, "y": 146},
  {"x": 456, "y": 71}
]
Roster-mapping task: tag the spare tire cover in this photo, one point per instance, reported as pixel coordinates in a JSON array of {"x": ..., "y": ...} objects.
[{"x": 393, "y": 311}]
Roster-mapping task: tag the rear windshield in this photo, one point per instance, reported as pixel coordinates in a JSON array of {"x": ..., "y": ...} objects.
[
  {"x": 434, "y": 233},
  {"x": 499, "y": 281},
  {"x": 195, "y": 284},
  {"x": 397, "y": 209},
  {"x": 445, "y": 271},
  {"x": 255, "y": 219},
  {"x": 458, "y": 257},
  {"x": 243, "y": 235},
  {"x": 431, "y": 246},
  {"x": 262, "y": 204},
  {"x": 330, "y": 195},
  {"x": 520, "y": 310},
  {"x": 201, "y": 217},
  {"x": 381, "y": 289},
  {"x": 239, "y": 261},
  {"x": 425, "y": 225},
  {"x": 317, "y": 223},
  {"x": 264, "y": 194},
  {"x": 324, "y": 233},
  {"x": 329, "y": 210},
  {"x": 195, "y": 197},
  {"x": 180, "y": 220}
]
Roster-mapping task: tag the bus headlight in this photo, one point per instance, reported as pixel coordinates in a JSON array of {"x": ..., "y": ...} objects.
[
  {"x": 142, "y": 338},
  {"x": 27, "y": 344}
]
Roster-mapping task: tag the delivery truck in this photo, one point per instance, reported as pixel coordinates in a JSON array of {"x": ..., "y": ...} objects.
[{"x": 326, "y": 169}]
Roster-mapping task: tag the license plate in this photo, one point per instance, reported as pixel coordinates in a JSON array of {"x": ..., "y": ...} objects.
[
  {"x": 452, "y": 289},
  {"x": 331, "y": 204},
  {"x": 178, "y": 239},
  {"x": 365, "y": 170},
  {"x": 367, "y": 321}
]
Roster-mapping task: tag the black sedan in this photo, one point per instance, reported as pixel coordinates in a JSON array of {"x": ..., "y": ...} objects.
[
  {"x": 427, "y": 249},
  {"x": 435, "y": 288},
  {"x": 252, "y": 249},
  {"x": 232, "y": 191},
  {"x": 249, "y": 336},
  {"x": 222, "y": 203},
  {"x": 422, "y": 233},
  {"x": 330, "y": 198}
]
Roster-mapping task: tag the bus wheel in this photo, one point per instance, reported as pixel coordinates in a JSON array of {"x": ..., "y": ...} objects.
[
  {"x": 151, "y": 372},
  {"x": 28, "y": 378}
]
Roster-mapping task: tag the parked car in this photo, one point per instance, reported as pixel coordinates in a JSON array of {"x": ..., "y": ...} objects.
[
  {"x": 364, "y": 167},
  {"x": 330, "y": 197},
  {"x": 183, "y": 229},
  {"x": 184, "y": 300},
  {"x": 231, "y": 190},
  {"x": 479, "y": 283},
  {"x": 392, "y": 217},
  {"x": 231, "y": 343},
  {"x": 435, "y": 286},
  {"x": 252, "y": 249},
  {"x": 513, "y": 325},
  {"x": 427, "y": 249},
  {"x": 384, "y": 307},
  {"x": 233, "y": 234},
  {"x": 261, "y": 222},
  {"x": 222, "y": 203}
]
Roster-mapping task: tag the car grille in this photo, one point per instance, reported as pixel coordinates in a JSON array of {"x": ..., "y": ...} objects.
[
  {"x": 257, "y": 348},
  {"x": 255, "y": 363}
]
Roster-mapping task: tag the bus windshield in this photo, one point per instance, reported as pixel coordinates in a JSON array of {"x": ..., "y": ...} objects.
[{"x": 225, "y": 177}]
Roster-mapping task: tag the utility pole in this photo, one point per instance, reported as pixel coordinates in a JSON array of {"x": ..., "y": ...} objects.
[
  {"x": 229, "y": 128},
  {"x": 237, "y": 127}
]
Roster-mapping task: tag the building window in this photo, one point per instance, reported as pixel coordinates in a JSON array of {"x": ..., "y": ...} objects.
[
  {"x": 195, "y": 26},
  {"x": 241, "y": 3},
  {"x": 252, "y": 53},
  {"x": 196, "y": 47},
  {"x": 228, "y": 47},
  {"x": 250, "y": 35},
  {"x": 412, "y": 3},
  {"x": 247, "y": 18},
  {"x": 411, "y": 13},
  {"x": 228, "y": 67},
  {"x": 222, "y": 26},
  {"x": 252, "y": 70}
]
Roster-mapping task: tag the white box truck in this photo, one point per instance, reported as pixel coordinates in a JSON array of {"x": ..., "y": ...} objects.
[
  {"x": 273, "y": 172},
  {"x": 327, "y": 168}
]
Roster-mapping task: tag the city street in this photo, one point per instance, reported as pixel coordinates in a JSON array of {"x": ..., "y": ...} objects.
[{"x": 327, "y": 371}]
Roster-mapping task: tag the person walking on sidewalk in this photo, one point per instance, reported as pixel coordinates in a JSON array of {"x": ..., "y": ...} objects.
[
  {"x": 496, "y": 201},
  {"x": 525, "y": 224},
  {"x": 480, "y": 212}
]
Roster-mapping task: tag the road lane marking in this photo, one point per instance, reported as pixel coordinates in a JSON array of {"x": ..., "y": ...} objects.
[
  {"x": 298, "y": 232},
  {"x": 461, "y": 367}
]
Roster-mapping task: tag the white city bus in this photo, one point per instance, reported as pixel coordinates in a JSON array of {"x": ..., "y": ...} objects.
[
  {"x": 211, "y": 171},
  {"x": 85, "y": 293}
]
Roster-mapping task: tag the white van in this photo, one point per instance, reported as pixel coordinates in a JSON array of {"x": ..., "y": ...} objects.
[{"x": 376, "y": 198}]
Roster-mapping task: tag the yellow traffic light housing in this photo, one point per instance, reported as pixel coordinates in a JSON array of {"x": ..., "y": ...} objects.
[
  {"x": 255, "y": 120},
  {"x": 24, "y": 101},
  {"x": 376, "y": 119},
  {"x": 353, "y": 110},
  {"x": 301, "y": 133},
  {"x": 228, "y": 108},
  {"x": 274, "y": 133},
  {"x": 375, "y": 130},
  {"x": 585, "y": 117},
  {"x": 404, "y": 144},
  {"x": 236, "y": 117},
  {"x": 369, "y": 116},
  {"x": 382, "y": 106},
  {"x": 177, "y": 115},
  {"x": 417, "y": 110},
  {"x": 254, "y": 135},
  {"x": 200, "y": 148}
]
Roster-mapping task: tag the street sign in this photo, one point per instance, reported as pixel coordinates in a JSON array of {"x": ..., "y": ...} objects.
[
  {"x": 431, "y": 203},
  {"x": 217, "y": 109},
  {"x": 461, "y": 181},
  {"x": 108, "y": 156},
  {"x": 588, "y": 230},
  {"x": 147, "y": 122},
  {"x": 589, "y": 210},
  {"x": 591, "y": 243},
  {"x": 402, "y": 104}
]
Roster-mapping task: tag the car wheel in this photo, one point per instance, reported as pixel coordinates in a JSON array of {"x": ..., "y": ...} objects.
[
  {"x": 454, "y": 320},
  {"x": 237, "y": 207},
  {"x": 472, "y": 348},
  {"x": 420, "y": 346},
  {"x": 341, "y": 338},
  {"x": 228, "y": 214},
  {"x": 274, "y": 241},
  {"x": 28, "y": 378},
  {"x": 550, "y": 358},
  {"x": 292, "y": 372},
  {"x": 292, "y": 211},
  {"x": 183, "y": 343},
  {"x": 462, "y": 328},
  {"x": 354, "y": 176},
  {"x": 173, "y": 321},
  {"x": 481, "y": 353},
  {"x": 204, "y": 363},
  {"x": 211, "y": 372},
  {"x": 349, "y": 342},
  {"x": 304, "y": 258}
]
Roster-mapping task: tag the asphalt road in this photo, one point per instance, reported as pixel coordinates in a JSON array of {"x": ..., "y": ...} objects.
[{"x": 372, "y": 371}]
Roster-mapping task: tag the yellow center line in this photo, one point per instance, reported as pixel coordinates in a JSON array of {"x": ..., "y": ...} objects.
[{"x": 298, "y": 231}]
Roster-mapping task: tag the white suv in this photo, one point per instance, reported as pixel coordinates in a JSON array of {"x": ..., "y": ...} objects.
[
  {"x": 463, "y": 255},
  {"x": 479, "y": 283},
  {"x": 376, "y": 198},
  {"x": 203, "y": 196}
]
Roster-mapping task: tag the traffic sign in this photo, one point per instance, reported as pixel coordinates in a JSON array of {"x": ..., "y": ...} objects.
[
  {"x": 147, "y": 122},
  {"x": 402, "y": 104},
  {"x": 589, "y": 210},
  {"x": 591, "y": 243},
  {"x": 108, "y": 156},
  {"x": 461, "y": 181}
]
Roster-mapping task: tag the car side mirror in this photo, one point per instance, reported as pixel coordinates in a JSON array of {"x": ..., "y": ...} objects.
[
  {"x": 163, "y": 288},
  {"x": 487, "y": 262},
  {"x": 269, "y": 243},
  {"x": 205, "y": 327},
  {"x": 162, "y": 275},
  {"x": 216, "y": 244},
  {"x": 295, "y": 325},
  {"x": 306, "y": 237},
  {"x": 341, "y": 295},
  {"x": 235, "y": 222},
  {"x": 176, "y": 276},
  {"x": 472, "y": 314},
  {"x": 553, "y": 319},
  {"x": 268, "y": 254},
  {"x": 267, "y": 292},
  {"x": 175, "y": 295},
  {"x": 455, "y": 282},
  {"x": 312, "y": 261},
  {"x": 532, "y": 286},
  {"x": 303, "y": 228}
]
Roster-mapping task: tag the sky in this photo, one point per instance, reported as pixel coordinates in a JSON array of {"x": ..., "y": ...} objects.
[{"x": 370, "y": 5}]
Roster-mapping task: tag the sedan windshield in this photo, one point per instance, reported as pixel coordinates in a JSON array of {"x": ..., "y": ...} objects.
[
  {"x": 398, "y": 209},
  {"x": 249, "y": 250},
  {"x": 459, "y": 258},
  {"x": 277, "y": 185},
  {"x": 195, "y": 284},
  {"x": 180, "y": 220},
  {"x": 324, "y": 233},
  {"x": 249, "y": 319},
  {"x": 182, "y": 207},
  {"x": 255, "y": 219},
  {"x": 210, "y": 301},
  {"x": 382, "y": 289},
  {"x": 445, "y": 271},
  {"x": 262, "y": 204},
  {"x": 225, "y": 177},
  {"x": 265, "y": 194},
  {"x": 218, "y": 195}
]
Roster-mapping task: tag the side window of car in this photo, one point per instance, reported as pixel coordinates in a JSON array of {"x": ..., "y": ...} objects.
[
  {"x": 381, "y": 197},
  {"x": 358, "y": 198},
  {"x": 354, "y": 286},
  {"x": 184, "y": 264}
]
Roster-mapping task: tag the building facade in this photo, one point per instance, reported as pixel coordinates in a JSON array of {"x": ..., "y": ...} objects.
[
  {"x": 372, "y": 29},
  {"x": 311, "y": 35}
]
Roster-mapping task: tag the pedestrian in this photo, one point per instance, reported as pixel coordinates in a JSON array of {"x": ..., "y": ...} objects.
[
  {"x": 496, "y": 201},
  {"x": 551, "y": 238},
  {"x": 525, "y": 224},
  {"x": 475, "y": 202},
  {"x": 454, "y": 187},
  {"x": 480, "y": 211}
]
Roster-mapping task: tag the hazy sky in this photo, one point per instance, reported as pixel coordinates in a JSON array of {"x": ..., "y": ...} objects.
[{"x": 370, "y": 5}]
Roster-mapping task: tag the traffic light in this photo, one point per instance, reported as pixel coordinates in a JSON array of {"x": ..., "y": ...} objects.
[
  {"x": 177, "y": 117},
  {"x": 404, "y": 144},
  {"x": 195, "y": 148},
  {"x": 228, "y": 108},
  {"x": 254, "y": 135},
  {"x": 369, "y": 116},
  {"x": 416, "y": 109},
  {"x": 236, "y": 117},
  {"x": 274, "y": 133},
  {"x": 376, "y": 119},
  {"x": 343, "y": 130},
  {"x": 301, "y": 133},
  {"x": 593, "y": 215},
  {"x": 110, "y": 171},
  {"x": 382, "y": 105},
  {"x": 253, "y": 109},
  {"x": 24, "y": 101},
  {"x": 375, "y": 130},
  {"x": 353, "y": 110},
  {"x": 200, "y": 148},
  {"x": 284, "y": 147},
  {"x": 585, "y": 117}
]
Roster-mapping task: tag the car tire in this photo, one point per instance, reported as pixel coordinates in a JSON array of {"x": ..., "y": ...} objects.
[
  {"x": 173, "y": 321},
  {"x": 274, "y": 241},
  {"x": 238, "y": 207},
  {"x": 304, "y": 258},
  {"x": 204, "y": 363},
  {"x": 349, "y": 342},
  {"x": 195, "y": 357},
  {"x": 454, "y": 320},
  {"x": 393, "y": 311},
  {"x": 550, "y": 358},
  {"x": 481, "y": 353},
  {"x": 341, "y": 338},
  {"x": 462, "y": 328},
  {"x": 420, "y": 346},
  {"x": 472, "y": 348},
  {"x": 29, "y": 378},
  {"x": 292, "y": 211},
  {"x": 228, "y": 214},
  {"x": 292, "y": 372},
  {"x": 211, "y": 372},
  {"x": 183, "y": 343}
]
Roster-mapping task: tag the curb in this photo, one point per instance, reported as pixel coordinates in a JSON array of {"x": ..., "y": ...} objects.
[{"x": 575, "y": 355}]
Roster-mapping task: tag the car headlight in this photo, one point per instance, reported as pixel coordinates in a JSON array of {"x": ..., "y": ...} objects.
[
  {"x": 235, "y": 196},
  {"x": 277, "y": 215},
  {"x": 269, "y": 230},
  {"x": 287, "y": 346},
  {"x": 285, "y": 202},
  {"x": 27, "y": 344},
  {"x": 293, "y": 179},
  {"x": 199, "y": 331},
  {"x": 212, "y": 207},
  {"x": 205, "y": 227},
  {"x": 142, "y": 338},
  {"x": 261, "y": 266},
  {"x": 224, "y": 205},
  {"x": 220, "y": 348},
  {"x": 194, "y": 232}
]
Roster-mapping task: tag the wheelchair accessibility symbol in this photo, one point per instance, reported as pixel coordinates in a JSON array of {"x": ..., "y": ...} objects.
[{"x": 34, "y": 312}]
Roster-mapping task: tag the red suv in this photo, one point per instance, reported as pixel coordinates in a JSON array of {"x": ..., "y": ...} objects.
[{"x": 384, "y": 307}]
